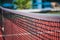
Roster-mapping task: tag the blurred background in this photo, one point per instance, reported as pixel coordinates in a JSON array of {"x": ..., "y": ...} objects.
[{"x": 30, "y": 4}]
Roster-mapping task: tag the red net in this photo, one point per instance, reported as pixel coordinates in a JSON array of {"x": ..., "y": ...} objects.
[{"x": 21, "y": 27}]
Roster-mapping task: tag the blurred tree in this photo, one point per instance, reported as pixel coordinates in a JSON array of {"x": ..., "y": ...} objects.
[{"x": 23, "y": 4}]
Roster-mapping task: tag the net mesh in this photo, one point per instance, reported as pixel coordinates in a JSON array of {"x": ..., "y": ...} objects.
[{"x": 21, "y": 27}]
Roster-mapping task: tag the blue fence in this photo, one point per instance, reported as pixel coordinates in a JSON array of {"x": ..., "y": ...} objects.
[
  {"x": 39, "y": 4},
  {"x": 8, "y": 4}
]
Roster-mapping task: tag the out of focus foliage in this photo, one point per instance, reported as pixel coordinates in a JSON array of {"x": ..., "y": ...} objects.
[{"x": 23, "y": 4}]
